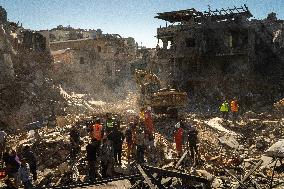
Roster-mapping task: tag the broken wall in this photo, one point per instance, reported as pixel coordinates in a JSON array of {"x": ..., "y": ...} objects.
[
  {"x": 217, "y": 60},
  {"x": 88, "y": 63}
]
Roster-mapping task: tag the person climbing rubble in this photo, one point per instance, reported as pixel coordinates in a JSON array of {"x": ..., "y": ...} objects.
[
  {"x": 149, "y": 123},
  {"x": 24, "y": 174},
  {"x": 234, "y": 109},
  {"x": 107, "y": 160},
  {"x": 140, "y": 143},
  {"x": 117, "y": 139},
  {"x": 74, "y": 141},
  {"x": 178, "y": 138},
  {"x": 224, "y": 109},
  {"x": 30, "y": 157},
  {"x": 192, "y": 140}
]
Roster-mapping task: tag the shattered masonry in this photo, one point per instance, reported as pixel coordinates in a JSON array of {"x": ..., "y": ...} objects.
[
  {"x": 49, "y": 78},
  {"x": 222, "y": 53}
]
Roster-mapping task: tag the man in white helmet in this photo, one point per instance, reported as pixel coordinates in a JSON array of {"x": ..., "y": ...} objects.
[{"x": 178, "y": 137}]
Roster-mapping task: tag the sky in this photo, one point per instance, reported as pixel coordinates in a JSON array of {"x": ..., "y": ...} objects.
[{"x": 129, "y": 18}]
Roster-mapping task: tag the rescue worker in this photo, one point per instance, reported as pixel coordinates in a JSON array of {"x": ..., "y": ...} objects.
[
  {"x": 96, "y": 134},
  {"x": 117, "y": 120},
  {"x": 74, "y": 141},
  {"x": 234, "y": 109},
  {"x": 91, "y": 158},
  {"x": 129, "y": 139},
  {"x": 31, "y": 160},
  {"x": 117, "y": 139},
  {"x": 12, "y": 164},
  {"x": 224, "y": 109},
  {"x": 192, "y": 141},
  {"x": 109, "y": 123},
  {"x": 24, "y": 174},
  {"x": 178, "y": 138},
  {"x": 140, "y": 145},
  {"x": 148, "y": 121},
  {"x": 107, "y": 162}
]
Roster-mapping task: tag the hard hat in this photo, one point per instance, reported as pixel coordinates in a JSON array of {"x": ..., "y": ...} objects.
[
  {"x": 149, "y": 108},
  {"x": 177, "y": 125}
]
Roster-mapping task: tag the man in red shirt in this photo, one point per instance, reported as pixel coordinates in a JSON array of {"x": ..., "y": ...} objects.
[
  {"x": 178, "y": 137},
  {"x": 149, "y": 123}
]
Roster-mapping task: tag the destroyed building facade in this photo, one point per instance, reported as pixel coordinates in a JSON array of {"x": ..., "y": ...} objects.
[
  {"x": 87, "y": 62},
  {"x": 27, "y": 93},
  {"x": 62, "y": 33},
  {"x": 222, "y": 53}
]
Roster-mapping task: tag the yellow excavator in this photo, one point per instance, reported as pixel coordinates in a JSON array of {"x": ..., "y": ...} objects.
[{"x": 161, "y": 100}]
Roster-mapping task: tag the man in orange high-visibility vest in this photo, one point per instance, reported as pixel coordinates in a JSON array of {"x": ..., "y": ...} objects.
[
  {"x": 96, "y": 134},
  {"x": 234, "y": 109}
]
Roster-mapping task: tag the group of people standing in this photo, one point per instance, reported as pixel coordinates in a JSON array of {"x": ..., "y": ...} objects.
[
  {"x": 104, "y": 149},
  {"x": 186, "y": 133},
  {"x": 18, "y": 167},
  {"x": 225, "y": 108}
]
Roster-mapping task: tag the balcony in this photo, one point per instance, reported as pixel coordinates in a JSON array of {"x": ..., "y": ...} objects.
[{"x": 168, "y": 31}]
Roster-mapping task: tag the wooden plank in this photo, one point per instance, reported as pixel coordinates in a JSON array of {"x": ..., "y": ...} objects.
[
  {"x": 155, "y": 181},
  {"x": 181, "y": 159},
  {"x": 167, "y": 173},
  {"x": 147, "y": 179},
  {"x": 111, "y": 185},
  {"x": 248, "y": 174}
]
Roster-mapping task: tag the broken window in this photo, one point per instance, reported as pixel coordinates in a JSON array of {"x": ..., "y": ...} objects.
[
  {"x": 190, "y": 42},
  {"x": 82, "y": 61}
]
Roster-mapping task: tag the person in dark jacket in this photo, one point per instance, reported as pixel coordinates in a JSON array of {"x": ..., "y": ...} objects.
[
  {"x": 24, "y": 174},
  {"x": 192, "y": 141},
  {"x": 12, "y": 165},
  {"x": 74, "y": 141},
  {"x": 91, "y": 158},
  {"x": 117, "y": 138},
  {"x": 129, "y": 139},
  {"x": 107, "y": 158},
  {"x": 31, "y": 160}
]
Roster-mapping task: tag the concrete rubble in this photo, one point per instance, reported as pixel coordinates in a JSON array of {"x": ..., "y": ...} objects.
[{"x": 48, "y": 83}]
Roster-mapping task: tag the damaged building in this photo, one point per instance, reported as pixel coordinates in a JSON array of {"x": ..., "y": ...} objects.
[
  {"x": 223, "y": 53},
  {"x": 85, "y": 63},
  {"x": 26, "y": 90}
]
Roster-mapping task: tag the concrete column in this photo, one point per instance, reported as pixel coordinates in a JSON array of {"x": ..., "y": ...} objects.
[{"x": 165, "y": 43}]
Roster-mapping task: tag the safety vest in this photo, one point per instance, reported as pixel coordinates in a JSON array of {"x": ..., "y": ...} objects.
[
  {"x": 97, "y": 132},
  {"x": 234, "y": 106},
  {"x": 224, "y": 107},
  {"x": 109, "y": 123}
]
